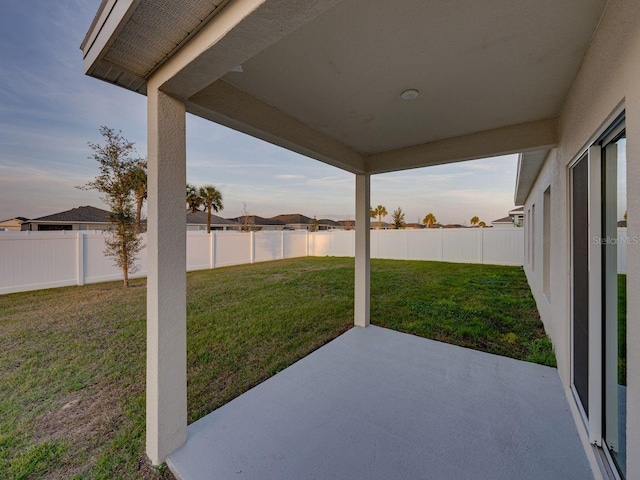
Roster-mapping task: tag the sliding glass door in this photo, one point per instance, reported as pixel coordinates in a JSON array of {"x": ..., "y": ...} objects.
[
  {"x": 580, "y": 263},
  {"x": 614, "y": 213}
]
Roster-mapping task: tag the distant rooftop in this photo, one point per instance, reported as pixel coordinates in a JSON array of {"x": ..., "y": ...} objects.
[
  {"x": 86, "y": 214},
  {"x": 200, "y": 218}
]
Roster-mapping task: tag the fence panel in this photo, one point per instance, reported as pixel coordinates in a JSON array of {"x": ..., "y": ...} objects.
[
  {"x": 424, "y": 244},
  {"x": 35, "y": 260},
  {"x": 320, "y": 244},
  {"x": 198, "y": 250},
  {"x": 462, "y": 245},
  {"x": 268, "y": 246},
  {"x": 32, "y": 262},
  {"x": 503, "y": 247},
  {"x": 295, "y": 244},
  {"x": 98, "y": 267},
  {"x": 232, "y": 248},
  {"x": 343, "y": 243},
  {"x": 392, "y": 244}
]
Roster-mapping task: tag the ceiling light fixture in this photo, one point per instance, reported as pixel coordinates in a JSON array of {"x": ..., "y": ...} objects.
[{"x": 409, "y": 94}]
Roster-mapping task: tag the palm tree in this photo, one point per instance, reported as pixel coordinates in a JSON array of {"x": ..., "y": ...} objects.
[
  {"x": 193, "y": 199},
  {"x": 211, "y": 199},
  {"x": 474, "y": 221},
  {"x": 429, "y": 220},
  {"x": 138, "y": 179},
  {"x": 379, "y": 212},
  {"x": 482, "y": 224}
]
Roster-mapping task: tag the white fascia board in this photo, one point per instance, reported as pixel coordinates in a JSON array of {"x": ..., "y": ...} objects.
[{"x": 110, "y": 19}]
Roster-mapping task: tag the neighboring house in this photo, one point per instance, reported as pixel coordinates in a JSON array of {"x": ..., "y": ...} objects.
[
  {"x": 81, "y": 218},
  {"x": 198, "y": 221},
  {"x": 504, "y": 222},
  {"x": 414, "y": 226},
  {"x": 295, "y": 221},
  {"x": 257, "y": 223},
  {"x": 513, "y": 219},
  {"x": 12, "y": 224},
  {"x": 517, "y": 214},
  {"x": 374, "y": 87},
  {"x": 328, "y": 224}
]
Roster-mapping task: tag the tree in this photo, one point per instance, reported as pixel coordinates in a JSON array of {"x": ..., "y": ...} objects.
[
  {"x": 194, "y": 201},
  {"x": 429, "y": 220},
  {"x": 138, "y": 181},
  {"x": 314, "y": 224},
  {"x": 482, "y": 224},
  {"x": 211, "y": 199},
  {"x": 247, "y": 221},
  {"x": 474, "y": 221},
  {"x": 117, "y": 165},
  {"x": 379, "y": 212},
  {"x": 398, "y": 218}
]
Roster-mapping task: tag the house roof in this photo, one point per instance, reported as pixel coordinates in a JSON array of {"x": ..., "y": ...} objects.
[
  {"x": 256, "y": 220},
  {"x": 503, "y": 220},
  {"x": 329, "y": 222},
  {"x": 516, "y": 211},
  {"x": 293, "y": 218},
  {"x": 20, "y": 219},
  {"x": 200, "y": 218},
  {"x": 85, "y": 214}
]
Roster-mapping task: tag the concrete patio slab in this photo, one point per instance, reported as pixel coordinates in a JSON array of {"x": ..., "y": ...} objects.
[{"x": 379, "y": 404}]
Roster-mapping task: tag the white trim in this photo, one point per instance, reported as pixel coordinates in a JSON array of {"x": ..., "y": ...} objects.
[{"x": 595, "y": 295}]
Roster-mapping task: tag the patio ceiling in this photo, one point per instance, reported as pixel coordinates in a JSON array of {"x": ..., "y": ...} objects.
[{"x": 324, "y": 77}]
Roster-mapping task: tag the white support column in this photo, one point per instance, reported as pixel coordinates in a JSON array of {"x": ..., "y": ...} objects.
[
  {"x": 166, "y": 279},
  {"x": 363, "y": 250}
]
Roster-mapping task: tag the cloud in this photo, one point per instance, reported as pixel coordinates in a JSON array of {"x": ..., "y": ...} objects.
[{"x": 288, "y": 176}]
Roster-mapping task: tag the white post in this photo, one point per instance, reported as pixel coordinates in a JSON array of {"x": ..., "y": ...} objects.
[
  {"x": 212, "y": 249},
  {"x": 166, "y": 279},
  {"x": 80, "y": 258},
  {"x": 282, "y": 245},
  {"x": 363, "y": 250},
  {"x": 252, "y": 247}
]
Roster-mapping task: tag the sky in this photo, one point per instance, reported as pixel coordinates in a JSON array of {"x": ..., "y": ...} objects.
[{"x": 49, "y": 111}]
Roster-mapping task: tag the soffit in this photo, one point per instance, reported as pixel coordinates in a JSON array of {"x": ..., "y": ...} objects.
[
  {"x": 478, "y": 66},
  {"x": 148, "y": 32}
]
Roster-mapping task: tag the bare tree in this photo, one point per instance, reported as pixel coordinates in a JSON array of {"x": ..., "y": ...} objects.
[{"x": 246, "y": 220}]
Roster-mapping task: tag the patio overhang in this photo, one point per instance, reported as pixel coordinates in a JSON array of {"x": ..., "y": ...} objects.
[{"x": 326, "y": 78}]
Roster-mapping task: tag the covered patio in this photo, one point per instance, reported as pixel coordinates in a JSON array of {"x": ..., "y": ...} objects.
[
  {"x": 379, "y": 404},
  {"x": 368, "y": 86}
]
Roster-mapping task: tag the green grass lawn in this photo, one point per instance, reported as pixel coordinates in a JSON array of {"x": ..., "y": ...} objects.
[{"x": 72, "y": 364}]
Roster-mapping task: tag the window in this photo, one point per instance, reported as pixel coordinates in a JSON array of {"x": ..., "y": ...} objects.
[
  {"x": 533, "y": 238},
  {"x": 546, "y": 243}
]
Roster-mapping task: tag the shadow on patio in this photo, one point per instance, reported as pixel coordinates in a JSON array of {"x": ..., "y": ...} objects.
[{"x": 375, "y": 403}]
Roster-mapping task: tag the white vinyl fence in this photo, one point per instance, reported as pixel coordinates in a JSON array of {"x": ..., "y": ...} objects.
[{"x": 37, "y": 260}]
